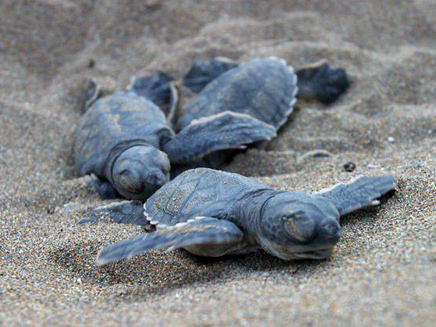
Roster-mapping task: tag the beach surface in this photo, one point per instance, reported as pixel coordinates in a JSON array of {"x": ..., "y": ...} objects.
[{"x": 382, "y": 272}]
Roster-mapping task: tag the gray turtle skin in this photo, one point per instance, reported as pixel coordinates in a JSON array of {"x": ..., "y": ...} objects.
[{"x": 214, "y": 213}]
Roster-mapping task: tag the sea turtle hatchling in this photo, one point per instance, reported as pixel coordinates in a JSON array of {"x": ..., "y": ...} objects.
[
  {"x": 125, "y": 140},
  {"x": 214, "y": 213}
]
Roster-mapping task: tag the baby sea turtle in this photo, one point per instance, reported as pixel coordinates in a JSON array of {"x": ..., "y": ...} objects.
[
  {"x": 317, "y": 81},
  {"x": 125, "y": 140},
  {"x": 214, "y": 213}
]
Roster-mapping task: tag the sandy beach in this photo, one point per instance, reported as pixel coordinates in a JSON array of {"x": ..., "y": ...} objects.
[{"x": 383, "y": 270}]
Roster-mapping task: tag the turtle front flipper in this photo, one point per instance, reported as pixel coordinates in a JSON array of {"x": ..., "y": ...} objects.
[
  {"x": 228, "y": 130},
  {"x": 359, "y": 193},
  {"x": 202, "y": 73},
  {"x": 158, "y": 88},
  {"x": 104, "y": 189},
  {"x": 321, "y": 82},
  {"x": 203, "y": 232}
]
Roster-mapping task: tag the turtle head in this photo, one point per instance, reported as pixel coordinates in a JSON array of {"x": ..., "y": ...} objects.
[
  {"x": 296, "y": 225},
  {"x": 140, "y": 171}
]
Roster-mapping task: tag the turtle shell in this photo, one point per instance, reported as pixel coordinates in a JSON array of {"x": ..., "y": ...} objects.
[
  {"x": 198, "y": 192},
  {"x": 262, "y": 88},
  {"x": 113, "y": 124}
]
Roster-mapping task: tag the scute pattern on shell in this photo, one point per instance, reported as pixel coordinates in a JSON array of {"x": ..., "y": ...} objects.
[
  {"x": 118, "y": 118},
  {"x": 197, "y": 192},
  {"x": 263, "y": 88}
]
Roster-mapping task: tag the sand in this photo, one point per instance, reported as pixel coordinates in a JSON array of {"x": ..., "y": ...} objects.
[{"x": 383, "y": 271}]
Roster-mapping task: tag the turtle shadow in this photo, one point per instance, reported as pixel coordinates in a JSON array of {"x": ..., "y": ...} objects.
[
  {"x": 159, "y": 272},
  {"x": 202, "y": 272}
]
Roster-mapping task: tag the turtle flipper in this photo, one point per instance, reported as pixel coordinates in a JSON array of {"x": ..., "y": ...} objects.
[
  {"x": 157, "y": 88},
  {"x": 95, "y": 89},
  {"x": 322, "y": 83},
  {"x": 205, "y": 231},
  {"x": 104, "y": 189},
  {"x": 227, "y": 130},
  {"x": 359, "y": 193},
  {"x": 124, "y": 212},
  {"x": 202, "y": 73},
  {"x": 92, "y": 93}
]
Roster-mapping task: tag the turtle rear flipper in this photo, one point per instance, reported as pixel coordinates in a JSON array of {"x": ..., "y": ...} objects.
[
  {"x": 202, "y": 73},
  {"x": 92, "y": 93},
  {"x": 124, "y": 212},
  {"x": 228, "y": 130},
  {"x": 359, "y": 193},
  {"x": 204, "y": 231},
  {"x": 95, "y": 89},
  {"x": 321, "y": 82},
  {"x": 158, "y": 88}
]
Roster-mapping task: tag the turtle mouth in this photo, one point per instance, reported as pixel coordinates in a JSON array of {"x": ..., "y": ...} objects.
[
  {"x": 297, "y": 252},
  {"x": 319, "y": 254}
]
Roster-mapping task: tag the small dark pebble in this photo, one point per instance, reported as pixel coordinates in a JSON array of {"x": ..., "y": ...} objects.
[
  {"x": 350, "y": 166},
  {"x": 91, "y": 63}
]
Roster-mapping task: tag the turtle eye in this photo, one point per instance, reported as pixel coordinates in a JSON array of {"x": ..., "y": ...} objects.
[
  {"x": 128, "y": 181},
  {"x": 293, "y": 228},
  {"x": 299, "y": 226}
]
